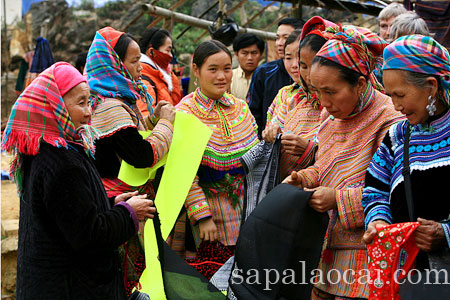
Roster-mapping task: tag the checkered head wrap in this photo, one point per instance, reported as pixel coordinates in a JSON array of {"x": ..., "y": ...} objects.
[{"x": 420, "y": 54}]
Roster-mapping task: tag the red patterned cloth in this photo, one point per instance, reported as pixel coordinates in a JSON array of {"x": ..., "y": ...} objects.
[
  {"x": 210, "y": 257},
  {"x": 391, "y": 255}
]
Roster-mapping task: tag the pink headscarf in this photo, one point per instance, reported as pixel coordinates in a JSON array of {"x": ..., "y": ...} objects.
[{"x": 67, "y": 77}]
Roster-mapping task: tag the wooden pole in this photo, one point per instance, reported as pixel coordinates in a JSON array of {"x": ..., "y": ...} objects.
[
  {"x": 202, "y": 14},
  {"x": 133, "y": 21},
  {"x": 193, "y": 21},
  {"x": 259, "y": 13},
  {"x": 276, "y": 21},
  {"x": 159, "y": 18}
]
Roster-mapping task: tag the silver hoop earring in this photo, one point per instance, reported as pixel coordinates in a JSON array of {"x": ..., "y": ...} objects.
[
  {"x": 195, "y": 81},
  {"x": 431, "y": 108},
  {"x": 361, "y": 102}
]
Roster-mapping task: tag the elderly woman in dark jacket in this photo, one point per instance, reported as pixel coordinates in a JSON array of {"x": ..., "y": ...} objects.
[{"x": 69, "y": 229}]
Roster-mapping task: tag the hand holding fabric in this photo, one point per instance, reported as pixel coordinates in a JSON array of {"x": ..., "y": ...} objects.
[
  {"x": 294, "y": 144},
  {"x": 124, "y": 196},
  {"x": 323, "y": 199},
  {"x": 429, "y": 235},
  {"x": 371, "y": 231},
  {"x": 269, "y": 133},
  {"x": 208, "y": 230},
  {"x": 143, "y": 207}
]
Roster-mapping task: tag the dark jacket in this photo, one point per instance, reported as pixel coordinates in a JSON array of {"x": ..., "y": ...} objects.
[
  {"x": 68, "y": 231},
  {"x": 267, "y": 80}
]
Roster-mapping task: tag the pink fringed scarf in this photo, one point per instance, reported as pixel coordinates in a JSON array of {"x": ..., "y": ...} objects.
[{"x": 39, "y": 114}]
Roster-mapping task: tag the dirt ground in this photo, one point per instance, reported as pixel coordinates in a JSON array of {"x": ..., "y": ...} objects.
[{"x": 9, "y": 210}]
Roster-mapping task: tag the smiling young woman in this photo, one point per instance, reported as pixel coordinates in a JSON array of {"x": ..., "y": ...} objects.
[{"x": 214, "y": 203}]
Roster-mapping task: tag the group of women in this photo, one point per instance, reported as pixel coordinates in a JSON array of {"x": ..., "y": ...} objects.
[{"x": 80, "y": 231}]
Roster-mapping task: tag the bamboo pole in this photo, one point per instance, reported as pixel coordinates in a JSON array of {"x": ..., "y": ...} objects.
[
  {"x": 159, "y": 18},
  {"x": 189, "y": 20}
]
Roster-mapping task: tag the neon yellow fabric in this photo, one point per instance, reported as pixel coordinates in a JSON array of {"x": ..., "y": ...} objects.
[
  {"x": 139, "y": 176},
  {"x": 190, "y": 137}
]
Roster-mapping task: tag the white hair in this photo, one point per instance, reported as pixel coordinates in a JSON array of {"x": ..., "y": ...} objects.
[
  {"x": 408, "y": 23},
  {"x": 392, "y": 10}
]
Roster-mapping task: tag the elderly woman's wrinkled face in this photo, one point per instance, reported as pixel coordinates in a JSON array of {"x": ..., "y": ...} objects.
[
  {"x": 335, "y": 94},
  {"x": 409, "y": 99},
  {"x": 78, "y": 104},
  {"x": 132, "y": 60}
]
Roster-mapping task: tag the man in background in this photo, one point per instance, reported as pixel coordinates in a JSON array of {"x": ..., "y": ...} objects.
[
  {"x": 387, "y": 16},
  {"x": 248, "y": 49},
  {"x": 270, "y": 77}
]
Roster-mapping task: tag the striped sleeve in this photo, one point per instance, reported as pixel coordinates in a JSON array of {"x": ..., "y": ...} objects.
[
  {"x": 351, "y": 212},
  {"x": 375, "y": 199},
  {"x": 273, "y": 112},
  {"x": 310, "y": 176},
  {"x": 308, "y": 156},
  {"x": 160, "y": 139},
  {"x": 196, "y": 204}
]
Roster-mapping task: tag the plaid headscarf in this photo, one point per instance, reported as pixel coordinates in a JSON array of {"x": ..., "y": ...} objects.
[
  {"x": 420, "y": 54},
  {"x": 326, "y": 29},
  {"x": 319, "y": 26},
  {"x": 39, "y": 114},
  {"x": 357, "y": 49},
  {"x": 107, "y": 75}
]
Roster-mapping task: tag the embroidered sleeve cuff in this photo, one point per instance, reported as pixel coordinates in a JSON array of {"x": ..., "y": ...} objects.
[
  {"x": 380, "y": 212},
  {"x": 351, "y": 212},
  {"x": 309, "y": 177},
  {"x": 198, "y": 211},
  {"x": 132, "y": 213},
  {"x": 160, "y": 139},
  {"x": 446, "y": 227}
]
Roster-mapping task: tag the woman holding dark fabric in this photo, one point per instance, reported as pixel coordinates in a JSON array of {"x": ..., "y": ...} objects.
[
  {"x": 113, "y": 72},
  {"x": 214, "y": 203},
  {"x": 359, "y": 117},
  {"x": 298, "y": 118},
  {"x": 416, "y": 72},
  {"x": 69, "y": 230},
  {"x": 156, "y": 49}
]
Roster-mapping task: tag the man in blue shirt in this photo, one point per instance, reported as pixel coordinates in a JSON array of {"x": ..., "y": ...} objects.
[{"x": 270, "y": 77}]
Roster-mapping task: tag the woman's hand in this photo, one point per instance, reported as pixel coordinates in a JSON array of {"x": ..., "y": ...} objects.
[
  {"x": 294, "y": 179},
  {"x": 160, "y": 104},
  {"x": 124, "y": 196},
  {"x": 167, "y": 112},
  {"x": 323, "y": 199},
  {"x": 429, "y": 235},
  {"x": 143, "y": 207},
  {"x": 371, "y": 231},
  {"x": 208, "y": 230},
  {"x": 294, "y": 144},
  {"x": 269, "y": 133}
]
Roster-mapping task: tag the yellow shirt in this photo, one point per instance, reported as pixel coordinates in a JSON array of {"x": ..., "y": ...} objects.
[{"x": 239, "y": 84}]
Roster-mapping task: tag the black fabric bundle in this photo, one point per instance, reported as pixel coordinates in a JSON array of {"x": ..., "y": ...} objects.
[{"x": 282, "y": 236}]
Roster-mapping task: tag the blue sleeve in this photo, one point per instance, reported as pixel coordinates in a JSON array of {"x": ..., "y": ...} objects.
[
  {"x": 256, "y": 96},
  {"x": 375, "y": 200}
]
